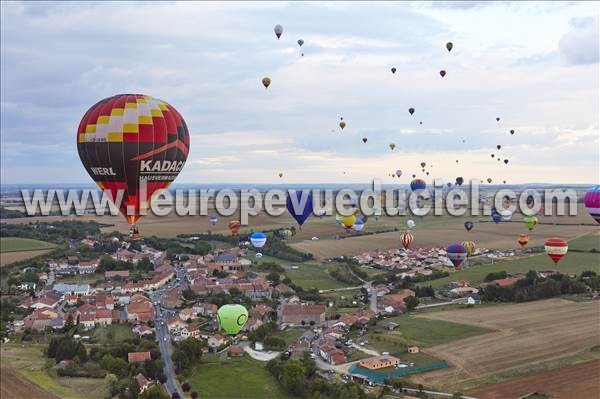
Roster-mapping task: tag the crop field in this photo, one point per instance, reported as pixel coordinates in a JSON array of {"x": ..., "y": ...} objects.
[
  {"x": 526, "y": 333},
  {"x": 313, "y": 276},
  {"x": 15, "y": 244}
]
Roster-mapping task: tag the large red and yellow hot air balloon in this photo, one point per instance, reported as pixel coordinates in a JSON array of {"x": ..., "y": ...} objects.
[
  {"x": 556, "y": 248},
  {"x": 234, "y": 227},
  {"x": 134, "y": 143}
]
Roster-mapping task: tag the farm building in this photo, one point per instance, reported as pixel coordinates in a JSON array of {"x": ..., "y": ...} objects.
[{"x": 379, "y": 362}]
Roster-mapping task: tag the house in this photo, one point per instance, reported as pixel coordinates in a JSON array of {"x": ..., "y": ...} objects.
[
  {"x": 308, "y": 336},
  {"x": 190, "y": 331},
  {"x": 260, "y": 311},
  {"x": 142, "y": 382},
  {"x": 463, "y": 291},
  {"x": 175, "y": 324},
  {"x": 252, "y": 324},
  {"x": 49, "y": 300},
  {"x": 413, "y": 349},
  {"x": 235, "y": 351},
  {"x": 506, "y": 282},
  {"x": 391, "y": 325},
  {"x": 142, "y": 330},
  {"x": 334, "y": 332},
  {"x": 77, "y": 289},
  {"x": 139, "y": 309},
  {"x": 87, "y": 267},
  {"x": 138, "y": 357},
  {"x": 379, "y": 362},
  {"x": 283, "y": 289},
  {"x": 205, "y": 309},
  {"x": 216, "y": 341},
  {"x": 459, "y": 283},
  {"x": 109, "y": 275},
  {"x": 40, "y": 318},
  {"x": 331, "y": 354},
  {"x": 303, "y": 314},
  {"x": 298, "y": 349},
  {"x": 103, "y": 317}
]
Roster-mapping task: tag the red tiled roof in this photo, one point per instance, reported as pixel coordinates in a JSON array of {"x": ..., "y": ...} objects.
[{"x": 137, "y": 357}]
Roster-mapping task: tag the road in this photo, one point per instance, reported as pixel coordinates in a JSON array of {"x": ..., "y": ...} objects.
[{"x": 368, "y": 285}]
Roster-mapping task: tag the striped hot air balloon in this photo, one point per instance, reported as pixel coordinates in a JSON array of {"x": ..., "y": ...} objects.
[
  {"x": 469, "y": 246},
  {"x": 523, "y": 239},
  {"x": 234, "y": 227},
  {"x": 418, "y": 184},
  {"x": 556, "y": 248},
  {"x": 406, "y": 239},
  {"x": 457, "y": 254},
  {"x": 592, "y": 202}
]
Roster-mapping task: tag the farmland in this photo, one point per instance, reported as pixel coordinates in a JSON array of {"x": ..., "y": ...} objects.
[
  {"x": 526, "y": 333},
  {"x": 13, "y": 249},
  {"x": 313, "y": 276}
]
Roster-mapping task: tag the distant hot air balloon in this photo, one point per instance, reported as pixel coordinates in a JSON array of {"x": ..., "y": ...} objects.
[
  {"x": 457, "y": 254},
  {"x": 348, "y": 221},
  {"x": 417, "y": 184},
  {"x": 213, "y": 219},
  {"x": 449, "y": 46},
  {"x": 512, "y": 131},
  {"x": 392, "y": 146},
  {"x": 278, "y": 31},
  {"x": 266, "y": 81},
  {"x": 411, "y": 111},
  {"x": 406, "y": 239},
  {"x": 459, "y": 181},
  {"x": 530, "y": 222},
  {"x": 498, "y": 146},
  {"x": 523, "y": 239},
  {"x": 469, "y": 225},
  {"x": 342, "y": 125},
  {"x": 493, "y": 155},
  {"x": 457, "y": 161},
  {"x": 280, "y": 174},
  {"x": 300, "y": 42},
  {"x": 124, "y": 140},
  {"x": 393, "y": 70},
  {"x": 234, "y": 227},
  {"x": 506, "y": 215},
  {"x": 496, "y": 217},
  {"x": 592, "y": 202},
  {"x": 413, "y": 176},
  {"x": 232, "y": 318},
  {"x": 398, "y": 173},
  {"x": 489, "y": 179},
  {"x": 503, "y": 181},
  {"x": 556, "y": 248},
  {"x": 421, "y": 122},
  {"x": 423, "y": 164},
  {"x": 358, "y": 225},
  {"x": 497, "y": 119},
  {"x": 506, "y": 161},
  {"x": 286, "y": 234},
  {"x": 469, "y": 246},
  {"x": 300, "y": 211},
  {"x": 258, "y": 240},
  {"x": 442, "y": 73},
  {"x": 364, "y": 140},
  {"x": 410, "y": 224}
]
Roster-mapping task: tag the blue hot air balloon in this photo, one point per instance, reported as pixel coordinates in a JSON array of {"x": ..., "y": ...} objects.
[
  {"x": 469, "y": 225},
  {"x": 299, "y": 205},
  {"x": 213, "y": 219},
  {"x": 457, "y": 253},
  {"x": 258, "y": 240},
  {"x": 496, "y": 217},
  {"x": 418, "y": 184}
]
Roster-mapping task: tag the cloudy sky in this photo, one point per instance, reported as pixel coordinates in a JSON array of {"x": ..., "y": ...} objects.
[{"x": 534, "y": 65}]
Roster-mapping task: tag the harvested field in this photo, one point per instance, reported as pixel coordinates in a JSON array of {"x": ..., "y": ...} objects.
[
  {"x": 526, "y": 333},
  {"x": 14, "y": 386},
  {"x": 576, "y": 381},
  {"x": 6, "y": 258}
]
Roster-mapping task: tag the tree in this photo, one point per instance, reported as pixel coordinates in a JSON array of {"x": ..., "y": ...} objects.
[
  {"x": 293, "y": 378},
  {"x": 187, "y": 353},
  {"x": 194, "y": 395},
  {"x": 274, "y": 278},
  {"x": 411, "y": 302},
  {"x": 186, "y": 387},
  {"x": 154, "y": 392}
]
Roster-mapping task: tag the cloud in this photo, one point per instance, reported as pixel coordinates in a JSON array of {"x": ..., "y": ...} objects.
[{"x": 580, "y": 45}]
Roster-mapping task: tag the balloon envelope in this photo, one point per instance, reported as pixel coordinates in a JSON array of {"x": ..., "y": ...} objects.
[
  {"x": 457, "y": 254},
  {"x": 278, "y": 30},
  {"x": 417, "y": 184},
  {"x": 358, "y": 225},
  {"x": 266, "y": 81},
  {"x": 523, "y": 239},
  {"x": 406, "y": 239},
  {"x": 348, "y": 221},
  {"x": 258, "y": 239},
  {"x": 232, "y": 318},
  {"x": 410, "y": 223},
  {"x": 556, "y": 248},
  {"x": 530, "y": 222},
  {"x": 213, "y": 220},
  {"x": 234, "y": 227},
  {"x": 129, "y": 141},
  {"x": 469, "y": 246},
  {"x": 469, "y": 225},
  {"x": 496, "y": 217},
  {"x": 592, "y": 202},
  {"x": 299, "y": 204}
]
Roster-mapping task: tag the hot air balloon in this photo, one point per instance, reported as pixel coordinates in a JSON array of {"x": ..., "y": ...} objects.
[
  {"x": 506, "y": 161},
  {"x": 506, "y": 215},
  {"x": 286, "y": 234},
  {"x": 503, "y": 181},
  {"x": 493, "y": 155},
  {"x": 469, "y": 225},
  {"x": 457, "y": 254},
  {"x": 297, "y": 208},
  {"x": 498, "y": 146},
  {"x": 417, "y": 184},
  {"x": 489, "y": 179},
  {"x": 300, "y": 42},
  {"x": 442, "y": 73},
  {"x": 512, "y": 131},
  {"x": 364, "y": 140},
  {"x": 449, "y": 46},
  {"x": 398, "y": 173},
  {"x": 457, "y": 161},
  {"x": 449, "y": 184},
  {"x": 266, "y": 81},
  {"x": 469, "y": 246},
  {"x": 497, "y": 119},
  {"x": 124, "y": 140},
  {"x": 406, "y": 239},
  {"x": 278, "y": 31},
  {"x": 342, "y": 125},
  {"x": 410, "y": 224},
  {"x": 421, "y": 122},
  {"x": 393, "y": 70},
  {"x": 392, "y": 146},
  {"x": 348, "y": 221},
  {"x": 232, "y": 318},
  {"x": 258, "y": 240},
  {"x": 234, "y": 227},
  {"x": 413, "y": 176},
  {"x": 530, "y": 222},
  {"x": 280, "y": 174},
  {"x": 496, "y": 217},
  {"x": 411, "y": 111},
  {"x": 358, "y": 225},
  {"x": 459, "y": 181},
  {"x": 423, "y": 164},
  {"x": 523, "y": 239},
  {"x": 592, "y": 202},
  {"x": 213, "y": 219},
  {"x": 556, "y": 248}
]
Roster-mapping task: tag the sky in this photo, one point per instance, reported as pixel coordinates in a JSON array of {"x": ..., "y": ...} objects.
[{"x": 533, "y": 64}]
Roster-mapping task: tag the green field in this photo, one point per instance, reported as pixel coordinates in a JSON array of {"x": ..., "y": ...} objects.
[
  {"x": 16, "y": 244},
  {"x": 113, "y": 334},
  {"x": 235, "y": 378},
  {"x": 418, "y": 331},
  {"x": 313, "y": 276}
]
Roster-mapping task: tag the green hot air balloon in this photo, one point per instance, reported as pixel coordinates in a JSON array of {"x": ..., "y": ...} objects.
[
  {"x": 232, "y": 318},
  {"x": 449, "y": 46},
  {"x": 530, "y": 222}
]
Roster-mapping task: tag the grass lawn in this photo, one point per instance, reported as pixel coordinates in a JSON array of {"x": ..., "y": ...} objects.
[
  {"x": 235, "y": 378},
  {"x": 31, "y": 363},
  {"x": 16, "y": 244},
  {"x": 290, "y": 335},
  {"x": 572, "y": 263},
  {"x": 586, "y": 243},
  {"x": 418, "y": 331},
  {"x": 113, "y": 334},
  {"x": 313, "y": 276}
]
